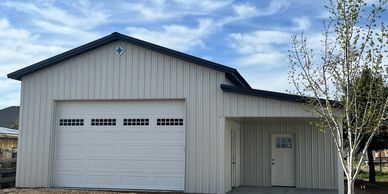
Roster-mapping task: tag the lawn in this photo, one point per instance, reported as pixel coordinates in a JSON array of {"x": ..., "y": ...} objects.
[
  {"x": 381, "y": 176},
  {"x": 362, "y": 185}
]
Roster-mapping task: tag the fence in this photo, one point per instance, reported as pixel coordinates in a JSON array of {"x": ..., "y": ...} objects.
[{"x": 7, "y": 172}]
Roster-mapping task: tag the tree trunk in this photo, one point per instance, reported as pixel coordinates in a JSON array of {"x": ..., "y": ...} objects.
[
  {"x": 350, "y": 186},
  {"x": 371, "y": 164}
]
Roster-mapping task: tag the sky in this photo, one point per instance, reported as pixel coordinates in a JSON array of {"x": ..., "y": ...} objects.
[{"x": 252, "y": 36}]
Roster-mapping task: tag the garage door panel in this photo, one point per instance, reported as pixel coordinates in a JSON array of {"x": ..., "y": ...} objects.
[
  {"x": 102, "y": 136},
  {"x": 69, "y": 164},
  {"x": 103, "y": 164},
  {"x": 136, "y": 181},
  {"x": 167, "y": 150},
  {"x": 168, "y": 181},
  {"x": 71, "y": 149},
  {"x": 102, "y": 149},
  {"x": 134, "y": 152},
  {"x": 171, "y": 164},
  {"x": 135, "y": 164},
  {"x": 106, "y": 180},
  {"x": 135, "y": 137},
  {"x": 68, "y": 137},
  {"x": 169, "y": 137},
  {"x": 63, "y": 180}
]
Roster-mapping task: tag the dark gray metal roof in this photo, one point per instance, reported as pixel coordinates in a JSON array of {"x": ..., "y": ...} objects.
[{"x": 232, "y": 74}]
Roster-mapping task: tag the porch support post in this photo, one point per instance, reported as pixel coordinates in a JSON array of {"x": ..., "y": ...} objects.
[{"x": 221, "y": 155}]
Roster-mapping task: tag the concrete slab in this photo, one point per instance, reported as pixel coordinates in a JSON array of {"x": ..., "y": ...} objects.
[{"x": 278, "y": 190}]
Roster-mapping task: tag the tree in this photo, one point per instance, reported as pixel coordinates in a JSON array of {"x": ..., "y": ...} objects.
[
  {"x": 15, "y": 125},
  {"x": 353, "y": 40},
  {"x": 380, "y": 140}
]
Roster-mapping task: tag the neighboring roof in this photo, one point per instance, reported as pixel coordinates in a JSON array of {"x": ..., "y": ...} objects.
[
  {"x": 4, "y": 130},
  {"x": 231, "y": 73},
  {"x": 9, "y": 116},
  {"x": 263, "y": 93}
]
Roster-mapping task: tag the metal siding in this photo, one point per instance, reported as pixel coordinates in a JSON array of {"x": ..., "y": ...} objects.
[
  {"x": 139, "y": 74},
  {"x": 256, "y": 154},
  {"x": 229, "y": 125}
]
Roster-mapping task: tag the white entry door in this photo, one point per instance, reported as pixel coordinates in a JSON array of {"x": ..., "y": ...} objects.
[
  {"x": 283, "y": 160},
  {"x": 120, "y": 144}
]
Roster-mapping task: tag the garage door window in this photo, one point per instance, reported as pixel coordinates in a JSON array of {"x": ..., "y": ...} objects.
[
  {"x": 169, "y": 122},
  {"x": 136, "y": 122},
  {"x": 103, "y": 122},
  {"x": 71, "y": 122}
]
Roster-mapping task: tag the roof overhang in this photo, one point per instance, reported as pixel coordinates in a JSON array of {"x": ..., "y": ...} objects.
[
  {"x": 232, "y": 73},
  {"x": 263, "y": 93},
  {"x": 272, "y": 95}
]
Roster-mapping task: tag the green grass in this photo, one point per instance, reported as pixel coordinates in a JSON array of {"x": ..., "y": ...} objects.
[{"x": 380, "y": 176}]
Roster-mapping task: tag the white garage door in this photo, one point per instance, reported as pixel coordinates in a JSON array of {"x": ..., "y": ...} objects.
[{"x": 120, "y": 144}]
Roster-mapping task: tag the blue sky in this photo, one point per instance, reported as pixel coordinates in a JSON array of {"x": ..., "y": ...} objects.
[{"x": 252, "y": 36}]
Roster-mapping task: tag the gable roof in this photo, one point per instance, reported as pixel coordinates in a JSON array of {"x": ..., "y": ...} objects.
[
  {"x": 232, "y": 74},
  {"x": 9, "y": 116}
]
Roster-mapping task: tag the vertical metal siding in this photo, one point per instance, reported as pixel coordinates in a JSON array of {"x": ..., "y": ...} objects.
[
  {"x": 229, "y": 125},
  {"x": 138, "y": 74},
  {"x": 311, "y": 153}
]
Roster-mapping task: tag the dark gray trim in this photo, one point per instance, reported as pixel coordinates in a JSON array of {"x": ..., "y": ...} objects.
[
  {"x": 273, "y": 95},
  {"x": 263, "y": 93},
  {"x": 233, "y": 73}
]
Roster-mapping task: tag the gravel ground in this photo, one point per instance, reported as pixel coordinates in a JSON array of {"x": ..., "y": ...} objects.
[{"x": 65, "y": 191}]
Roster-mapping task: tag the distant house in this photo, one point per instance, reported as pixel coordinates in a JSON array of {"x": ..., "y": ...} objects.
[
  {"x": 381, "y": 155},
  {"x": 121, "y": 113},
  {"x": 9, "y": 117},
  {"x": 8, "y": 142}
]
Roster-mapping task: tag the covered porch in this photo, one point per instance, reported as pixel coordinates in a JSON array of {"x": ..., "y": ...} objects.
[{"x": 278, "y": 155}]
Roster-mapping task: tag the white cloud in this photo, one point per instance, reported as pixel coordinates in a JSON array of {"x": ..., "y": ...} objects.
[
  {"x": 18, "y": 49},
  {"x": 267, "y": 59},
  {"x": 260, "y": 79},
  {"x": 176, "y": 36},
  {"x": 260, "y": 47},
  {"x": 275, "y": 6},
  {"x": 184, "y": 38},
  {"x": 302, "y": 23},
  {"x": 88, "y": 15},
  {"x": 10, "y": 99},
  {"x": 161, "y": 10},
  {"x": 73, "y": 26},
  {"x": 9, "y": 92},
  {"x": 245, "y": 10}
]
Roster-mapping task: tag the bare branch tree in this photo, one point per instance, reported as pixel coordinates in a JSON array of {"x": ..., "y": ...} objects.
[{"x": 353, "y": 39}]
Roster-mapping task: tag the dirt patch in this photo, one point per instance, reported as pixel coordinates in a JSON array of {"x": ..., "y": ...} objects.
[{"x": 65, "y": 191}]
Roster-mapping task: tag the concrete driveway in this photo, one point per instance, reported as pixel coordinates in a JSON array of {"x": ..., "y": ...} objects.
[{"x": 278, "y": 190}]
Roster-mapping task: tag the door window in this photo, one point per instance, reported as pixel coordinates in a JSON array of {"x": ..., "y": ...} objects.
[{"x": 283, "y": 142}]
